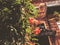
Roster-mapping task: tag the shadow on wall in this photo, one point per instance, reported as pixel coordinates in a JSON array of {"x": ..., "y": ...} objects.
[{"x": 50, "y": 10}]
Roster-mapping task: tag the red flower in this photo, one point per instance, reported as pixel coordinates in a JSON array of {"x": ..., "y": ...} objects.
[
  {"x": 34, "y": 21},
  {"x": 37, "y": 31},
  {"x": 31, "y": 20}
]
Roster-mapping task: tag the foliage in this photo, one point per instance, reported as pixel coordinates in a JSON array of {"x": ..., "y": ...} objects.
[
  {"x": 14, "y": 24},
  {"x": 57, "y": 16}
]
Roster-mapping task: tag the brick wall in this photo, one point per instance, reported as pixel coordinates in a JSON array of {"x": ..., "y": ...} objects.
[{"x": 53, "y": 24}]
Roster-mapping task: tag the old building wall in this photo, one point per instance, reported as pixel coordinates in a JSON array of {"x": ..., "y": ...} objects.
[{"x": 53, "y": 26}]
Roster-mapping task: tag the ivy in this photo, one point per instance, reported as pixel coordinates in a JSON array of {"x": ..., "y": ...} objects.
[{"x": 14, "y": 21}]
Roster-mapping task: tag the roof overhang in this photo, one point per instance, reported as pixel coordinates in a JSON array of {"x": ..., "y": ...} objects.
[{"x": 53, "y": 3}]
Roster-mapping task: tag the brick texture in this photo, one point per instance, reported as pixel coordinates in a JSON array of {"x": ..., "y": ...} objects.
[{"x": 53, "y": 26}]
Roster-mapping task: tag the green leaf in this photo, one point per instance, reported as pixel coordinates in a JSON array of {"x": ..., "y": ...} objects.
[
  {"x": 0, "y": 0},
  {"x": 6, "y": 9},
  {"x": 18, "y": 2},
  {"x": 28, "y": 30}
]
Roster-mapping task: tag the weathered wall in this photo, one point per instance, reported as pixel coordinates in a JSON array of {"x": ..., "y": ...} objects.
[{"x": 53, "y": 25}]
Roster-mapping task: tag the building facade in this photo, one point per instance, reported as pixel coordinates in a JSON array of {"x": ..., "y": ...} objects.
[{"x": 53, "y": 25}]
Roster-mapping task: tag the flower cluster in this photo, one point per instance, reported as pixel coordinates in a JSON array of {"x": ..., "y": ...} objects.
[{"x": 36, "y": 22}]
